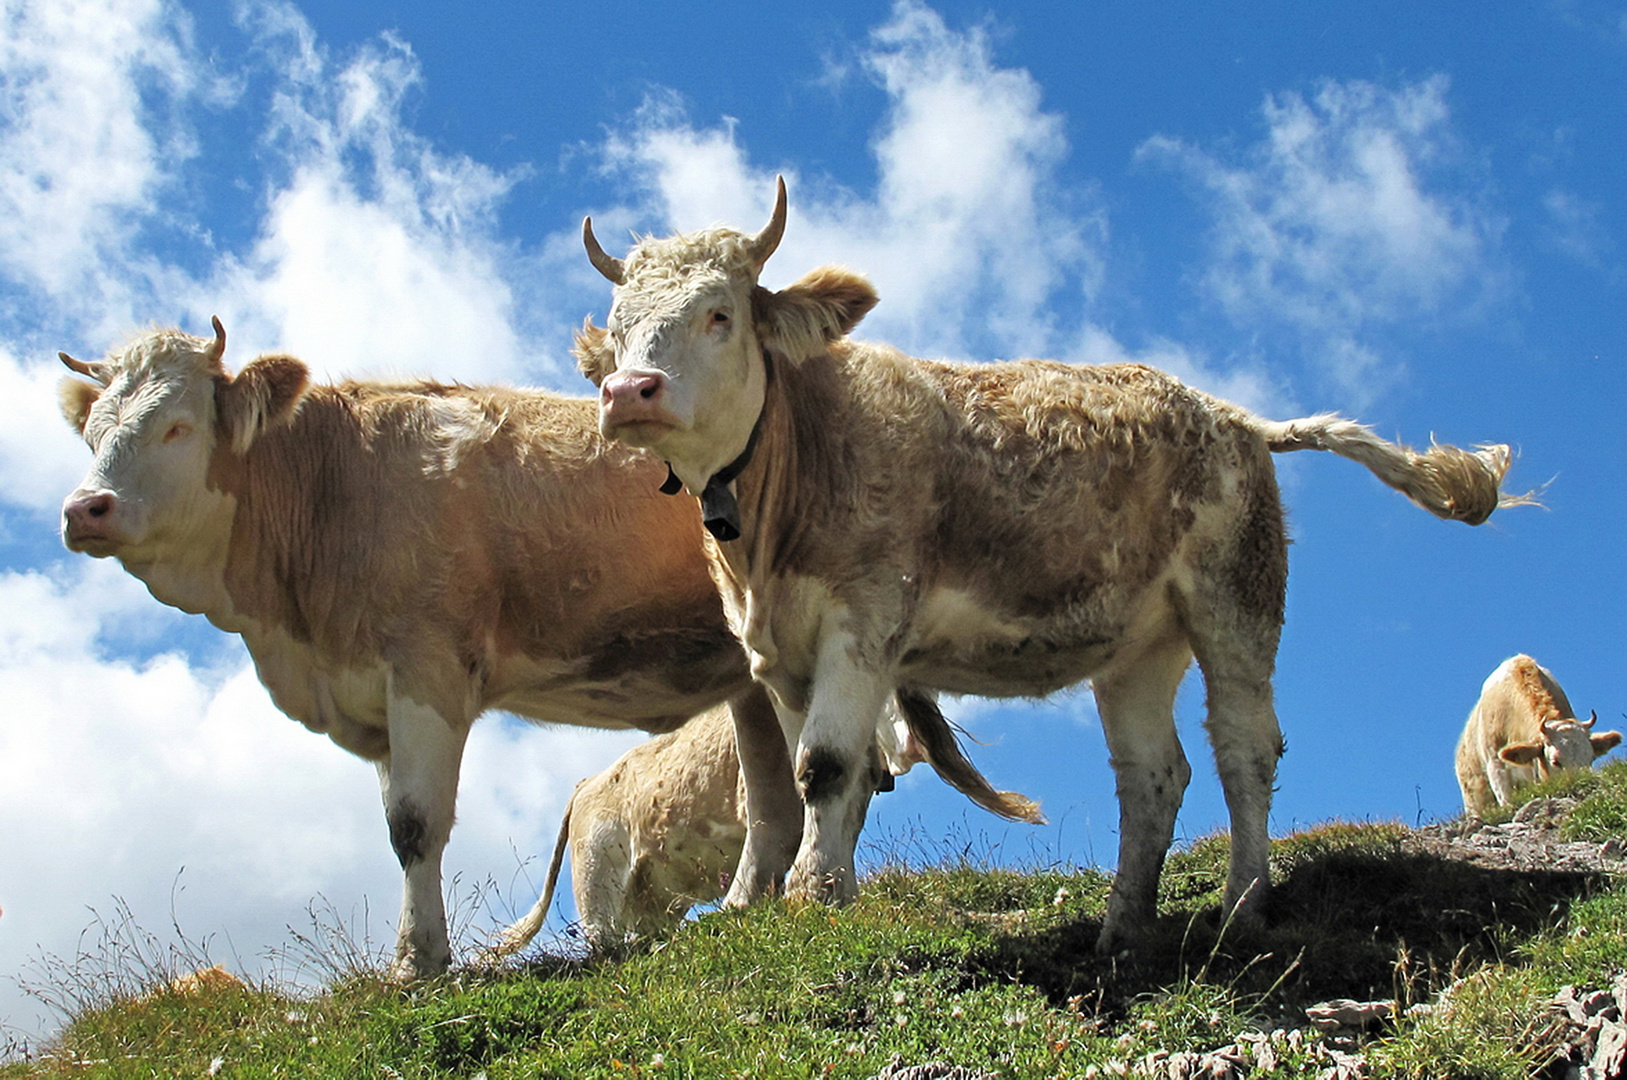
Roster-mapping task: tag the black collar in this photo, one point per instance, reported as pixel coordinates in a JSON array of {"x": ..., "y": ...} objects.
[{"x": 720, "y": 513}]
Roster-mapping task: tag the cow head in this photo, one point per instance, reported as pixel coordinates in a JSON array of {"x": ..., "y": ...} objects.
[
  {"x": 1566, "y": 743},
  {"x": 680, "y": 364},
  {"x": 153, "y": 413}
]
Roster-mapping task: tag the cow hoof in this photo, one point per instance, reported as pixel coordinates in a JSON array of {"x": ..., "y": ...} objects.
[
  {"x": 1113, "y": 944},
  {"x": 411, "y": 969},
  {"x": 833, "y": 888},
  {"x": 748, "y": 889}
]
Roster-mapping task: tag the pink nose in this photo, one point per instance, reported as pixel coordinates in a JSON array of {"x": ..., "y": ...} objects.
[
  {"x": 88, "y": 519},
  {"x": 87, "y": 510},
  {"x": 631, "y": 397}
]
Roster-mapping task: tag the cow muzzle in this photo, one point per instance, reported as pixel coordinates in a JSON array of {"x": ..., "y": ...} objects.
[
  {"x": 629, "y": 400},
  {"x": 88, "y": 522}
]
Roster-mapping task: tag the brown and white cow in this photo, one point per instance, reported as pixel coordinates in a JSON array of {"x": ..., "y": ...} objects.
[
  {"x": 1003, "y": 529},
  {"x": 401, "y": 558},
  {"x": 661, "y": 829},
  {"x": 1520, "y": 731}
]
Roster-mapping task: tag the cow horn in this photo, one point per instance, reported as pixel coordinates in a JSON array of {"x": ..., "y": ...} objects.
[
  {"x": 89, "y": 371},
  {"x": 769, "y": 239},
  {"x": 218, "y": 349},
  {"x": 1593, "y": 718},
  {"x": 608, "y": 265}
]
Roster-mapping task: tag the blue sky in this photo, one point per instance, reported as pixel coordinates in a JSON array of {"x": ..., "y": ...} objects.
[{"x": 1412, "y": 214}]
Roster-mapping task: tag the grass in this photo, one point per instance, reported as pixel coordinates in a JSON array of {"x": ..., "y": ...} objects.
[{"x": 959, "y": 963}]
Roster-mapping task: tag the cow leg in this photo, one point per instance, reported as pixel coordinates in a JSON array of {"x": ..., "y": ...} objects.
[
  {"x": 773, "y": 807},
  {"x": 1236, "y": 647},
  {"x": 419, "y": 782},
  {"x": 1233, "y": 616},
  {"x": 1137, "y": 705},
  {"x": 1247, "y": 742},
  {"x": 835, "y": 754},
  {"x": 601, "y": 867},
  {"x": 1501, "y": 780}
]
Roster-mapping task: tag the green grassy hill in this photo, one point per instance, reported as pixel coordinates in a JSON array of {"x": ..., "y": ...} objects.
[{"x": 991, "y": 970}]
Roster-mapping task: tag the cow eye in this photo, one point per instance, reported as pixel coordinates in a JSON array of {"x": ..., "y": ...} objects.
[
  {"x": 177, "y": 431},
  {"x": 719, "y": 318}
]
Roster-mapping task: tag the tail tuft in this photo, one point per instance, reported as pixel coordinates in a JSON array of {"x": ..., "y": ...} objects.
[
  {"x": 1449, "y": 482},
  {"x": 943, "y": 753}
]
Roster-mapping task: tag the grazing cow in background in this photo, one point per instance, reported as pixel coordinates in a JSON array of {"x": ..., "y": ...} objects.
[
  {"x": 401, "y": 558},
  {"x": 1004, "y": 530},
  {"x": 660, "y": 830},
  {"x": 1520, "y": 731}
]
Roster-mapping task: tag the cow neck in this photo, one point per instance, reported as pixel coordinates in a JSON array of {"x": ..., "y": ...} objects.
[{"x": 720, "y": 511}]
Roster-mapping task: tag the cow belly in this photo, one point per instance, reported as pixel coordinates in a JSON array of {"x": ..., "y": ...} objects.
[
  {"x": 965, "y": 647},
  {"x": 651, "y": 700},
  {"x": 647, "y": 705},
  {"x": 1026, "y": 668}
]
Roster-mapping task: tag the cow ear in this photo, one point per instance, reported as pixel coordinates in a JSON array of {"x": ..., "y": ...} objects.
[
  {"x": 822, "y": 306},
  {"x": 1520, "y": 753},
  {"x": 595, "y": 356},
  {"x": 262, "y": 395},
  {"x": 76, "y": 397},
  {"x": 1604, "y": 742}
]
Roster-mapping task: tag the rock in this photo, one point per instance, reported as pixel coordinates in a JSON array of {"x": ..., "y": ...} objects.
[{"x": 1345, "y": 1013}]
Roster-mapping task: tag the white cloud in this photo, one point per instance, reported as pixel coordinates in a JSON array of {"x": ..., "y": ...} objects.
[
  {"x": 966, "y": 238},
  {"x": 89, "y": 140},
  {"x": 380, "y": 254},
  {"x": 1342, "y": 220},
  {"x": 1575, "y": 226}
]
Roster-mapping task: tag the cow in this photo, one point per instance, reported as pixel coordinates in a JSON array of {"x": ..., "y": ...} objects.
[
  {"x": 1005, "y": 529},
  {"x": 402, "y": 557},
  {"x": 661, "y": 829},
  {"x": 1522, "y": 730}
]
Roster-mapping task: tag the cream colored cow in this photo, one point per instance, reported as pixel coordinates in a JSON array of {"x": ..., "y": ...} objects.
[
  {"x": 1005, "y": 529},
  {"x": 1522, "y": 730},
  {"x": 660, "y": 830}
]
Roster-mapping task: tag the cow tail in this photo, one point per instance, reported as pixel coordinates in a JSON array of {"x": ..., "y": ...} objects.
[
  {"x": 519, "y": 935},
  {"x": 1451, "y": 483},
  {"x": 943, "y": 753}
]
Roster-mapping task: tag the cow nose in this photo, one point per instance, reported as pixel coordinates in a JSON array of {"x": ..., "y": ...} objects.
[
  {"x": 630, "y": 396},
  {"x": 89, "y": 509}
]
